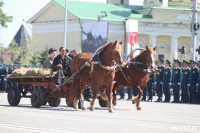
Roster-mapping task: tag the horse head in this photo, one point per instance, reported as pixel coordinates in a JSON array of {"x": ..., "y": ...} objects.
[
  {"x": 113, "y": 53},
  {"x": 148, "y": 57}
]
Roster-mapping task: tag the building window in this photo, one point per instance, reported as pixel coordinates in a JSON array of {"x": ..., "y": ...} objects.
[{"x": 122, "y": 2}]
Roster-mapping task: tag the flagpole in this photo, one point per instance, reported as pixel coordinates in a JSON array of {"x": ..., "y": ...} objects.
[{"x": 65, "y": 26}]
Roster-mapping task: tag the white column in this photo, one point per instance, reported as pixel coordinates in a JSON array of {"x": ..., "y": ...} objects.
[
  {"x": 152, "y": 41},
  {"x": 174, "y": 47}
]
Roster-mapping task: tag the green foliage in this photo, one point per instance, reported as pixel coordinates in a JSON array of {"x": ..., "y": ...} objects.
[
  {"x": 43, "y": 56},
  {"x": 4, "y": 19}
]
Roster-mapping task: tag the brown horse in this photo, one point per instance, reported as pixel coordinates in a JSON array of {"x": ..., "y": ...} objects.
[
  {"x": 134, "y": 75},
  {"x": 111, "y": 53}
]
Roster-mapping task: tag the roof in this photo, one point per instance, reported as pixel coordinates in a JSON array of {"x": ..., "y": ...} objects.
[
  {"x": 21, "y": 36},
  {"x": 90, "y": 10}
]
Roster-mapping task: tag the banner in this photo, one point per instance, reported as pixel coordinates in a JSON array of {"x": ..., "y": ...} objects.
[
  {"x": 94, "y": 35},
  {"x": 131, "y": 36}
]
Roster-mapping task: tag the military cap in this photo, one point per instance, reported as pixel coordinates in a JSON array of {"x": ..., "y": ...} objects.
[
  {"x": 168, "y": 62},
  {"x": 176, "y": 60},
  {"x": 191, "y": 61},
  {"x": 187, "y": 62}
]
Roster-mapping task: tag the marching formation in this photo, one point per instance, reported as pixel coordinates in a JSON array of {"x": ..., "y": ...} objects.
[{"x": 181, "y": 79}]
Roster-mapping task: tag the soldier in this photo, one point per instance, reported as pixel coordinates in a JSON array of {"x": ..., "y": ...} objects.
[
  {"x": 49, "y": 62},
  {"x": 150, "y": 87},
  {"x": 185, "y": 81},
  {"x": 3, "y": 73},
  {"x": 193, "y": 81},
  {"x": 198, "y": 84},
  {"x": 166, "y": 81},
  {"x": 176, "y": 80},
  {"x": 159, "y": 80}
]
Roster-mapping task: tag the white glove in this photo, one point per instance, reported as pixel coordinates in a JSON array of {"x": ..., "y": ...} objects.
[
  {"x": 197, "y": 84},
  {"x": 161, "y": 82},
  {"x": 155, "y": 82},
  {"x": 188, "y": 84},
  {"x": 179, "y": 83},
  {"x": 170, "y": 84}
]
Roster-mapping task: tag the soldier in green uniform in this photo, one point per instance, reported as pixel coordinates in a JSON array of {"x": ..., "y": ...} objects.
[
  {"x": 193, "y": 81},
  {"x": 198, "y": 83},
  {"x": 185, "y": 81},
  {"x": 159, "y": 80},
  {"x": 176, "y": 80},
  {"x": 166, "y": 81},
  {"x": 150, "y": 87}
]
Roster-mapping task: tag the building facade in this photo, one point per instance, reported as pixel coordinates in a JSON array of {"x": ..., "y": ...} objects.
[{"x": 164, "y": 24}]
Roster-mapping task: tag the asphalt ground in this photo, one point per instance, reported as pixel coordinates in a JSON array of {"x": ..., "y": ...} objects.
[{"x": 153, "y": 118}]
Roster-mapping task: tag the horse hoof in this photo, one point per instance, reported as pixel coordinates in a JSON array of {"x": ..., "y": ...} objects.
[
  {"x": 84, "y": 108},
  {"x": 91, "y": 109},
  {"x": 76, "y": 108},
  {"x": 139, "y": 108},
  {"x": 111, "y": 110}
]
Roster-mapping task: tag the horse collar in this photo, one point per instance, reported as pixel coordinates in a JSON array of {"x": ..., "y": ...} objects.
[{"x": 100, "y": 58}]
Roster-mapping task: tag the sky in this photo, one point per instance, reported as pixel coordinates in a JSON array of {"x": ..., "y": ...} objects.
[{"x": 23, "y": 10}]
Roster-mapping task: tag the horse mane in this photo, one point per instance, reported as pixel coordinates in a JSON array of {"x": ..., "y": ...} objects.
[{"x": 104, "y": 46}]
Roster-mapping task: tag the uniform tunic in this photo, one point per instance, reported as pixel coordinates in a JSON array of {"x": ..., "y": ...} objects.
[
  {"x": 184, "y": 84},
  {"x": 193, "y": 81},
  {"x": 166, "y": 81},
  {"x": 176, "y": 78}
]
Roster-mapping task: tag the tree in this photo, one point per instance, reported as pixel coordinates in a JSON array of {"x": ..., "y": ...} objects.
[
  {"x": 4, "y": 19},
  {"x": 43, "y": 56}
]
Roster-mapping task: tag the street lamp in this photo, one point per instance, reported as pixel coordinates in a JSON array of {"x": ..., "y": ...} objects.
[{"x": 101, "y": 15}]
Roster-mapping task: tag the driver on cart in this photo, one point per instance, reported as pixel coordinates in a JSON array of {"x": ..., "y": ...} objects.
[{"x": 62, "y": 62}]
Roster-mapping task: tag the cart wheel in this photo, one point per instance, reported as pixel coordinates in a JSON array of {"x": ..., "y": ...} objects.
[
  {"x": 69, "y": 104},
  {"x": 14, "y": 96},
  {"x": 37, "y": 97},
  {"x": 54, "y": 102},
  {"x": 103, "y": 103}
]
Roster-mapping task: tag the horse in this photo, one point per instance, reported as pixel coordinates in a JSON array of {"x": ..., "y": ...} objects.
[
  {"x": 100, "y": 74},
  {"x": 134, "y": 75}
]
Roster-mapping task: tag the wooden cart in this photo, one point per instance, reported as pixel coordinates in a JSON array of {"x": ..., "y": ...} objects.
[{"x": 40, "y": 90}]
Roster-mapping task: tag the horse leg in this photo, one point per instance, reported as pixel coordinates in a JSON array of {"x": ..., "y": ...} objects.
[
  {"x": 115, "y": 88},
  {"x": 83, "y": 84},
  {"x": 137, "y": 99},
  {"x": 72, "y": 94},
  {"x": 77, "y": 97},
  {"x": 109, "y": 94},
  {"x": 94, "y": 92}
]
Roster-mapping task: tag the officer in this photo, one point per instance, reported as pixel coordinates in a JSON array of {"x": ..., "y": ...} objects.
[
  {"x": 121, "y": 92},
  {"x": 150, "y": 87},
  {"x": 176, "y": 80},
  {"x": 193, "y": 81},
  {"x": 185, "y": 81},
  {"x": 159, "y": 80},
  {"x": 166, "y": 81},
  {"x": 198, "y": 84},
  {"x": 3, "y": 74},
  {"x": 1, "y": 65},
  {"x": 49, "y": 62},
  {"x": 144, "y": 94}
]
